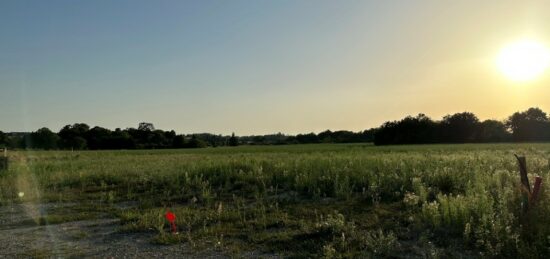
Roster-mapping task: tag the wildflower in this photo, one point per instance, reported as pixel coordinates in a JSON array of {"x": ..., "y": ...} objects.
[
  {"x": 411, "y": 199},
  {"x": 220, "y": 208}
]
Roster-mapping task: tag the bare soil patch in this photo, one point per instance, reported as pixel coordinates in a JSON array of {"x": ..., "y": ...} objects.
[{"x": 23, "y": 235}]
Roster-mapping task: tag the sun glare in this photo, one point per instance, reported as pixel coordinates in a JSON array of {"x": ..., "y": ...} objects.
[{"x": 523, "y": 60}]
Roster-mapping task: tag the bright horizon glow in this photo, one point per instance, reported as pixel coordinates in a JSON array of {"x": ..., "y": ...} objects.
[{"x": 523, "y": 60}]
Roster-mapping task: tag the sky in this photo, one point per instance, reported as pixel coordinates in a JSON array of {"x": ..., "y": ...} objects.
[{"x": 259, "y": 67}]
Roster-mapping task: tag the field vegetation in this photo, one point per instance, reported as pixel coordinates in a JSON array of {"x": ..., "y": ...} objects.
[{"x": 319, "y": 200}]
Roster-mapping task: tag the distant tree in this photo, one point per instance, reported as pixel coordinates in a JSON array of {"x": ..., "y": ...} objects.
[
  {"x": 368, "y": 135},
  {"x": 74, "y": 136},
  {"x": 220, "y": 140},
  {"x": 178, "y": 141},
  {"x": 277, "y": 139},
  {"x": 79, "y": 129},
  {"x": 121, "y": 139},
  {"x": 158, "y": 139},
  {"x": 43, "y": 138},
  {"x": 233, "y": 140},
  {"x": 344, "y": 136},
  {"x": 146, "y": 126},
  {"x": 460, "y": 127},
  {"x": 98, "y": 138},
  {"x": 270, "y": 139},
  {"x": 493, "y": 131},
  {"x": 530, "y": 125},
  {"x": 169, "y": 135},
  {"x": 307, "y": 138},
  {"x": 325, "y": 136},
  {"x": 3, "y": 139},
  {"x": 15, "y": 140},
  {"x": 211, "y": 139},
  {"x": 78, "y": 143},
  {"x": 291, "y": 140},
  {"x": 410, "y": 130},
  {"x": 258, "y": 140},
  {"x": 140, "y": 137},
  {"x": 194, "y": 142}
]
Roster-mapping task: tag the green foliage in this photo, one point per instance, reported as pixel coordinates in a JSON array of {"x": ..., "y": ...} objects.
[
  {"x": 43, "y": 139},
  {"x": 379, "y": 243},
  {"x": 307, "y": 200}
]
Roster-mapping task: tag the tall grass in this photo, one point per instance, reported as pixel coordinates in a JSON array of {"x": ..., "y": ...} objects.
[{"x": 464, "y": 192}]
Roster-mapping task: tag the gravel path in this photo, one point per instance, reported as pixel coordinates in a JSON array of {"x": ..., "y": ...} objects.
[{"x": 20, "y": 236}]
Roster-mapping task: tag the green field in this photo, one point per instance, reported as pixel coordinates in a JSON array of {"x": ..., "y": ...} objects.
[{"x": 353, "y": 200}]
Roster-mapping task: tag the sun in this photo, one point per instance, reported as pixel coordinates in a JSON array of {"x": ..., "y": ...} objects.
[{"x": 523, "y": 60}]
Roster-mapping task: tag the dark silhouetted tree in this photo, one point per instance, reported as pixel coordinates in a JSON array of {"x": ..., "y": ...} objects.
[
  {"x": 194, "y": 142},
  {"x": 43, "y": 138},
  {"x": 178, "y": 141},
  {"x": 157, "y": 139},
  {"x": 146, "y": 126},
  {"x": 460, "y": 127},
  {"x": 3, "y": 139},
  {"x": 493, "y": 131},
  {"x": 98, "y": 138},
  {"x": 307, "y": 138},
  {"x": 74, "y": 136},
  {"x": 325, "y": 136},
  {"x": 121, "y": 139},
  {"x": 410, "y": 130},
  {"x": 530, "y": 125},
  {"x": 233, "y": 140}
]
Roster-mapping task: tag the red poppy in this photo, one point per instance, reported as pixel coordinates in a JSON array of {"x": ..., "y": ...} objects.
[{"x": 170, "y": 216}]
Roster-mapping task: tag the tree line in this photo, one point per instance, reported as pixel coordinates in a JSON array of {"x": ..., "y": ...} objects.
[
  {"x": 80, "y": 136},
  {"x": 527, "y": 126},
  {"x": 530, "y": 125}
]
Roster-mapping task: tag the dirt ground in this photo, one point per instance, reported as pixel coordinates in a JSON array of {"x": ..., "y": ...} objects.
[{"x": 22, "y": 237}]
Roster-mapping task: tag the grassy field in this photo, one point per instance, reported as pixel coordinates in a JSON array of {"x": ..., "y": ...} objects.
[{"x": 330, "y": 201}]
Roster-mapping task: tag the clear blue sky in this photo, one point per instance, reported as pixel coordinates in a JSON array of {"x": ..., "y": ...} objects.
[{"x": 256, "y": 67}]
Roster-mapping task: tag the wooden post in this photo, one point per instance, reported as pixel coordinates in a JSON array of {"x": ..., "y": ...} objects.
[
  {"x": 525, "y": 187},
  {"x": 536, "y": 190},
  {"x": 529, "y": 197},
  {"x": 523, "y": 172}
]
